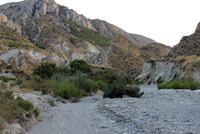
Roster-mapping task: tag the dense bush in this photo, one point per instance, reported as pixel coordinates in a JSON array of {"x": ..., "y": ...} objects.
[
  {"x": 136, "y": 82},
  {"x": 83, "y": 82},
  {"x": 45, "y": 70},
  {"x": 67, "y": 91},
  {"x": 133, "y": 91},
  {"x": 5, "y": 79},
  {"x": 119, "y": 88},
  {"x": 179, "y": 85},
  {"x": 78, "y": 83},
  {"x": 107, "y": 76},
  {"x": 101, "y": 84},
  {"x": 24, "y": 84},
  {"x": 79, "y": 65}
]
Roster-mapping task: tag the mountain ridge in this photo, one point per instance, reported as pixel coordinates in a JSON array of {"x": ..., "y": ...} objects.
[{"x": 65, "y": 35}]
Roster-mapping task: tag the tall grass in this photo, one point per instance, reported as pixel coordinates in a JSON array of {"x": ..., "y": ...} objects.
[
  {"x": 67, "y": 85},
  {"x": 11, "y": 109},
  {"x": 188, "y": 62},
  {"x": 67, "y": 91},
  {"x": 179, "y": 85}
]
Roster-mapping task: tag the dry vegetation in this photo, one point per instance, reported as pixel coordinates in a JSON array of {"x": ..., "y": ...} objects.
[
  {"x": 189, "y": 62},
  {"x": 11, "y": 38}
]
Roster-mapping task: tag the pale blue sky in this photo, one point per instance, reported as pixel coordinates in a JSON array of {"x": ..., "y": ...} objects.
[{"x": 165, "y": 21}]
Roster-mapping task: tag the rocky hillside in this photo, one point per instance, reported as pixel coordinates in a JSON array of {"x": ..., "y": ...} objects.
[
  {"x": 182, "y": 62},
  {"x": 118, "y": 58},
  {"x": 154, "y": 51},
  {"x": 42, "y": 30},
  {"x": 188, "y": 45},
  {"x": 111, "y": 31}
]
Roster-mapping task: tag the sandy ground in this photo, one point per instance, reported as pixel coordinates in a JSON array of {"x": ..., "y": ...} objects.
[{"x": 158, "y": 112}]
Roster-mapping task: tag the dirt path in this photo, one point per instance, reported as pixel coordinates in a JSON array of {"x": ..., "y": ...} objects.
[
  {"x": 76, "y": 118},
  {"x": 158, "y": 111}
]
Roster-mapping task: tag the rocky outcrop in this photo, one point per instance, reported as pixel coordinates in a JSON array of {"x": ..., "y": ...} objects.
[
  {"x": 111, "y": 31},
  {"x": 11, "y": 71},
  {"x": 71, "y": 15},
  {"x": 198, "y": 27},
  {"x": 20, "y": 12},
  {"x": 24, "y": 59},
  {"x": 4, "y": 20}
]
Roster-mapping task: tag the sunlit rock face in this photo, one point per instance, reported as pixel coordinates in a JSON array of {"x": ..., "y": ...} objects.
[{"x": 3, "y": 18}]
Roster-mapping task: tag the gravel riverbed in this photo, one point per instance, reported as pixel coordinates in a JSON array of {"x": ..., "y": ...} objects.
[{"x": 156, "y": 112}]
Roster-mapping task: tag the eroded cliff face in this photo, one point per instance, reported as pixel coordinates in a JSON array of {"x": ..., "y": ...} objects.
[
  {"x": 153, "y": 70},
  {"x": 181, "y": 63},
  {"x": 166, "y": 71}
]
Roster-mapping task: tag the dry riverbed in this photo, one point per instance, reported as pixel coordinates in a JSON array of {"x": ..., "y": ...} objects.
[{"x": 158, "y": 112}]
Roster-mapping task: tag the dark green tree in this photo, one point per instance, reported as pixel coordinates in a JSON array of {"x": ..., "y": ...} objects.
[
  {"x": 80, "y": 65},
  {"x": 45, "y": 70}
]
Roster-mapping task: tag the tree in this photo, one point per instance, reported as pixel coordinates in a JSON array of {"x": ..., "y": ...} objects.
[
  {"x": 45, "y": 70},
  {"x": 80, "y": 65}
]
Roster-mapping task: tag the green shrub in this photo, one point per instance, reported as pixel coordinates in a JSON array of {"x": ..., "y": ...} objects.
[
  {"x": 36, "y": 112},
  {"x": 114, "y": 90},
  {"x": 13, "y": 83},
  {"x": 45, "y": 70},
  {"x": 26, "y": 105},
  {"x": 5, "y": 79},
  {"x": 80, "y": 65},
  {"x": 25, "y": 84},
  {"x": 83, "y": 82},
  {"x": 3, "y": 85},
  {"x": 128, "y": 79},
  {"x": 44, "y": 91},
  {"x": 179, "y": 85},
  {"x": 8, "y": 95},
  {"x": 119, "y": 88},
  {"x": 1, "y": 125},
  {"x": 107, "y": 76},
  {"x": 51, "y": 102},
  {"x": 67, "y": 91},
  {"x": 133, "y": 91},
  {"x": 159, "y": 81},
  {"x": 101, "y": 84},
  {"x": 136, "y": 82},
  {"x": 11, "y": 109},
  {"x": 90, "y": 86}
]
